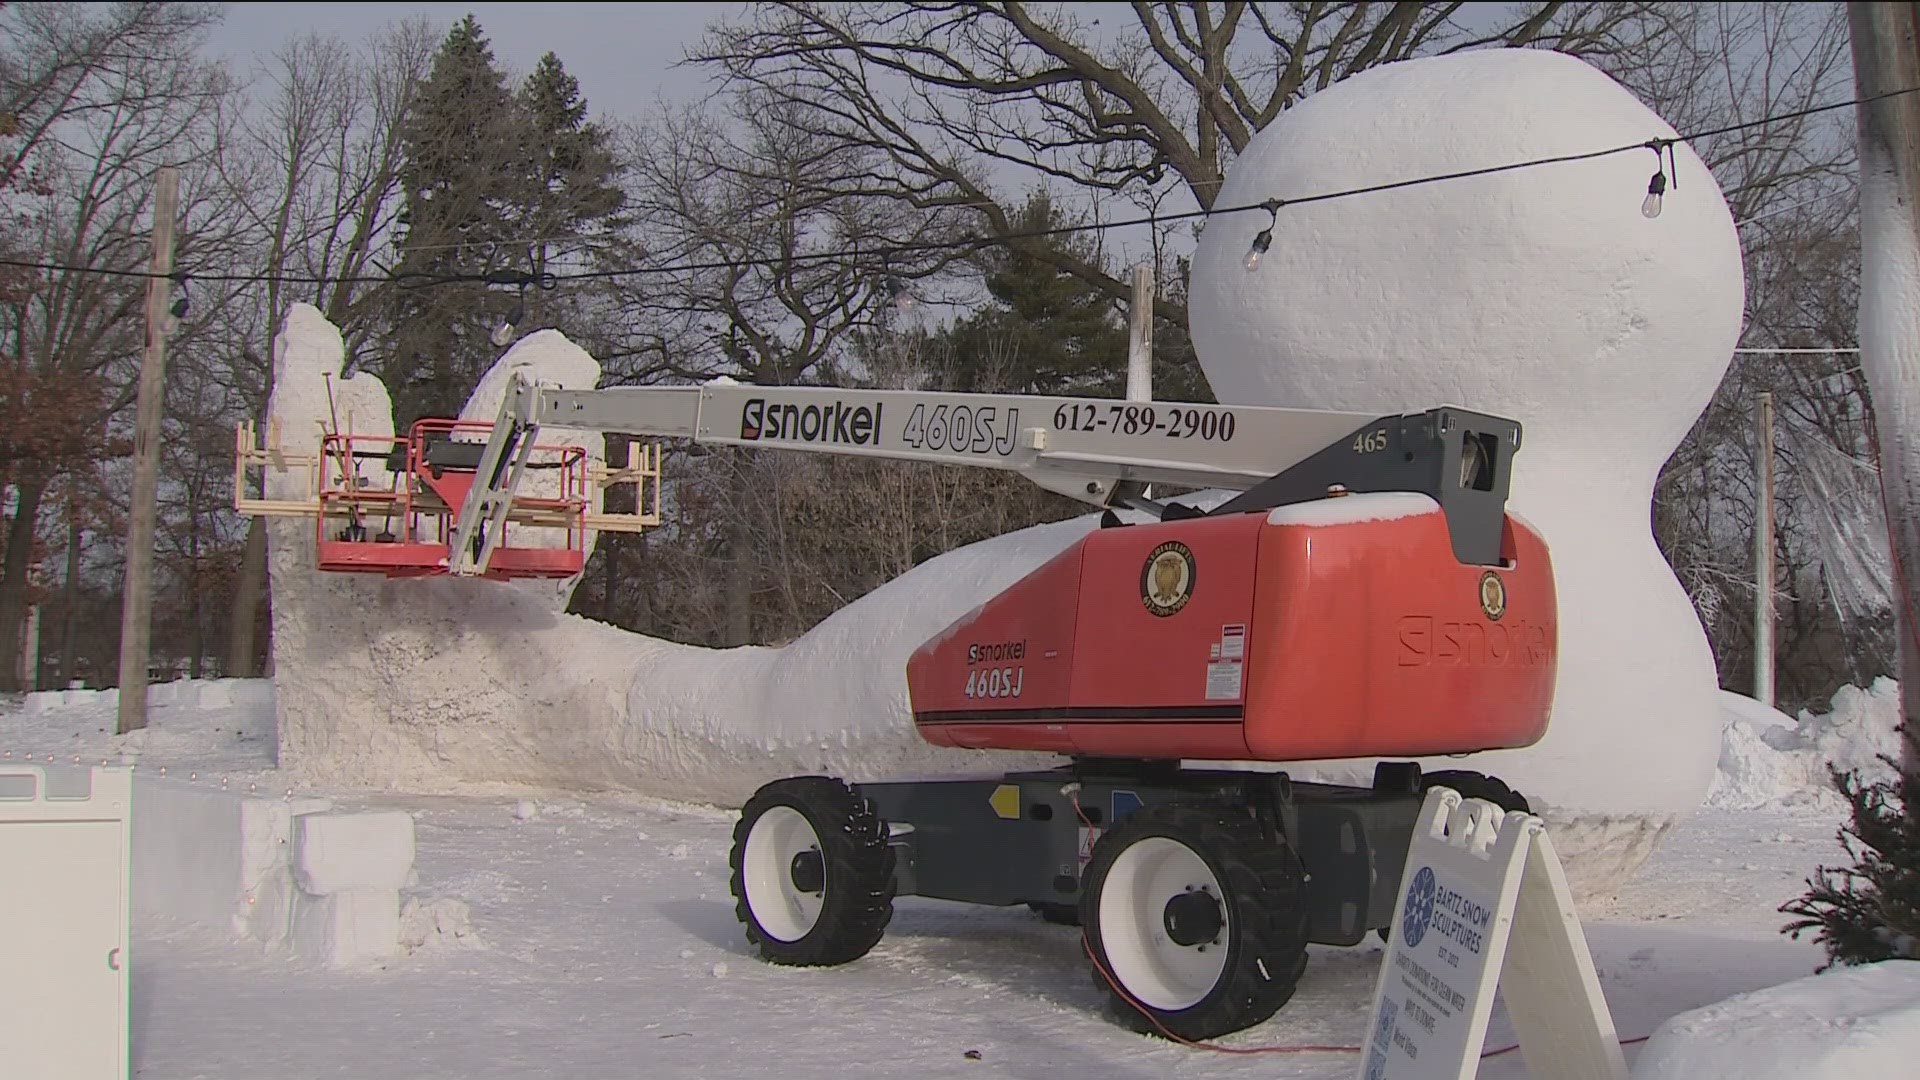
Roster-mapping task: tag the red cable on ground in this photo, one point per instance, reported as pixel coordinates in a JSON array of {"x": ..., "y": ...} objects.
[{"x": 1515, "y": 1046}]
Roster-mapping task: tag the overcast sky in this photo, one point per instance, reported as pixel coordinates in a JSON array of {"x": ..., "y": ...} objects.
[{"x": 623, "y": 54}]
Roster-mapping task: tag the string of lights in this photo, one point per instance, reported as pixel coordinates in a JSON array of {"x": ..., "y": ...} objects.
[{"x": 1663, "y": 178}]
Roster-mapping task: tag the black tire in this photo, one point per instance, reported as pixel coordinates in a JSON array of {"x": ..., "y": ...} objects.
[
  {"x": 1473, "y": 785},
  {"x": 1261, "y": 917},
  {"x": 1470, "y": 785},
  {"x": 1057, "y": 914},
  {"x": 854, "y": 862}
]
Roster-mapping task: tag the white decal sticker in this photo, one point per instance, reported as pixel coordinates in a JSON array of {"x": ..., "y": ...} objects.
[
  {"x": 1088, "y": 838},
  {"x": 1233, "y": 641},
  {"x": 1223, "y": 680}
]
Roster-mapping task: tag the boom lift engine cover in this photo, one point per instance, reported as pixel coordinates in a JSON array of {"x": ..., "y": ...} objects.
[{"x": 1254, "y": 636}]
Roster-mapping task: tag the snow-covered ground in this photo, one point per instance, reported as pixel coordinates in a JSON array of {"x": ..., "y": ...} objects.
[{"x": 604, "y": 943}]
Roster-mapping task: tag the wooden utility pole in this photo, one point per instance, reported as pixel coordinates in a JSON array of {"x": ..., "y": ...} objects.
[
  {"x": 1763, "y": 556},
  {"x": 136, "y": 610},
  {"x": 1886, "y": 61},
  {"x": 1140, "y": 336},
  {"x": 1140, "y": 344}
]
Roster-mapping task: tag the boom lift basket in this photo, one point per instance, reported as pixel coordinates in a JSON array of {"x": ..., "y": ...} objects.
[{"x": 386, "y": 504}]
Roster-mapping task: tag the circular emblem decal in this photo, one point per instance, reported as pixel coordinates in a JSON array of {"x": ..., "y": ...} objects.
[
  {"x": 1493, "y": 595},
  {"x": 1419, "y": 913},
  {"x": 1166, "y": 582}
]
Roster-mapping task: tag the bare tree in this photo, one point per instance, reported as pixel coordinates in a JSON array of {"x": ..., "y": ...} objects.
[
  {"x": 1141, "y": 103},
  {"x": 753, "y": 268},
  {"x": 106, "y": 98},
  {"x": 1791, "y": 184},
  {"x": 315, "y": 170}
]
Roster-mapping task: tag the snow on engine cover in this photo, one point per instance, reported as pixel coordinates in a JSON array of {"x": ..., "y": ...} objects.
[{"x": 1331, "y": 629}]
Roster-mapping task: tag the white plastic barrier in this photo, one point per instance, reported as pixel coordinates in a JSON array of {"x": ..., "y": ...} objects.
[{"x": 64, "y": 880}]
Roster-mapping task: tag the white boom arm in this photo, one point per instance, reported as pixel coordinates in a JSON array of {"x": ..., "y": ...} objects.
[{"x": 1080, "y": 447}]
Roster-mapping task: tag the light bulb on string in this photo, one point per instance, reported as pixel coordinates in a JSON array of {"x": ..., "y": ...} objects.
[
  {"x": 1261, "y": 243},
  {"x": 900, "y": 293},
  {"x": 1657, "y": 184},
  {"x": 1656, "y": 187},
  {"x": 1263, "y": 240}
]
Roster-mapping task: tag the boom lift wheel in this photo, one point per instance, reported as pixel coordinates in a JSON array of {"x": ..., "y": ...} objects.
[
  {"x": 812, "y": 872},
  {"x": 1473, "y": 785},
  {"x": 1199, "y": 916}
]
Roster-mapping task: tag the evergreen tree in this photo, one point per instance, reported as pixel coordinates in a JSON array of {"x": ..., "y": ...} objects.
[
  {"x": 1871, "y": 911},
  {"x": 569, "y": 193},
  {"x": 1048, "y": 331},
  {"x": 463, "y": 151},
  {"x": 572, "y": 174},
  {"x": 495, "y": 182}
]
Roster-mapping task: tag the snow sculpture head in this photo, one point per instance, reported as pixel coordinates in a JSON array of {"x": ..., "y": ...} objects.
[{"x": 1542, "y": 294}]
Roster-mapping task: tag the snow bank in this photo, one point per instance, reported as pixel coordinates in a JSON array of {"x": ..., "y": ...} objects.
[
  {"x": 1767, "y": 758},
  {"x": 211, "y": 858},
  {"x": 215, "y": 726},
  {"x": 183, "y": 693},
  {"x": 282, "y": 873},
  {"x": 246, "y": 859},
  {"x": 1845, "y": 1024},
  {"x": 1539, "y": 294}
]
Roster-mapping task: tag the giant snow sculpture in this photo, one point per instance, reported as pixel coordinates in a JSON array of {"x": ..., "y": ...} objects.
[
  {"x": 442, "y": 683},
  {"x": 1542, "y": 294}
]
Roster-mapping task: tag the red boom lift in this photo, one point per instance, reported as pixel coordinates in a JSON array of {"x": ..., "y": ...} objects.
[{"x": 1363, "y": 595}]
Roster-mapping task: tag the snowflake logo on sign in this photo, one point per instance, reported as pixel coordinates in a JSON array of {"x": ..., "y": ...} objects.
[{"x": 1419, "y": 913}]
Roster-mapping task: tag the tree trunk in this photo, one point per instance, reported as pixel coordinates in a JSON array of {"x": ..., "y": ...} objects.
[
  {"x": 1886, "y": 58},
  {"x": 742, "y": 566},
  {"x": 247, "y": 593},
  {"x": 70, "y": 599},
  {"x": 612, "y": 545},
  {"x": 13, "y": 576},
  {"x": 196, "y": 613}
]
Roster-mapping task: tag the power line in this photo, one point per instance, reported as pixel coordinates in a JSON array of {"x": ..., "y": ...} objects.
[
  {"x": 1791, "y": 207},
  {"x": 1660, "y": 145}
]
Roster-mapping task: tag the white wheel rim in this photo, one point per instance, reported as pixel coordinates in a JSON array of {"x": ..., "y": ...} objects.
[
  {"x": 782, "y": 910},
  {"x": 1156, "y": 970}
]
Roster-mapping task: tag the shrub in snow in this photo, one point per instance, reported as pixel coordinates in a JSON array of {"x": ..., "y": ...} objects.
[{"x": 1870, "y": 911}]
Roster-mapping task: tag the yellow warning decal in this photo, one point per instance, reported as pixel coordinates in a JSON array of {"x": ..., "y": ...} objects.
[{"x": 1006, "y": 801}]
